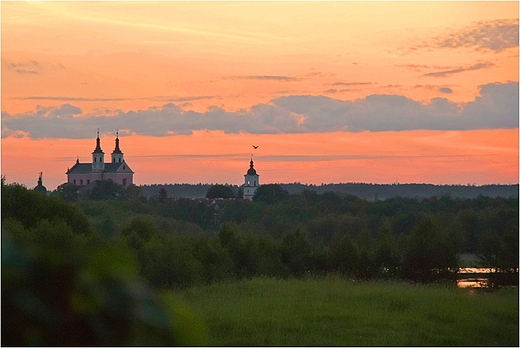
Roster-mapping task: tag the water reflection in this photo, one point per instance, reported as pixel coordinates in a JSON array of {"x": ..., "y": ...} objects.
[
  {"x": 471, "y": 282},
  {"x": 479, "y": 277},
  {"x": 464, "y": 270},
  {"x": 473, "y": 277}
]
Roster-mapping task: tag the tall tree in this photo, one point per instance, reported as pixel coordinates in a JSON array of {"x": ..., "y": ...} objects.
[
  {"x": 162, "y": 195},
  {"x": 430, "y": 255},
  {"x": 296, "y": 252}
]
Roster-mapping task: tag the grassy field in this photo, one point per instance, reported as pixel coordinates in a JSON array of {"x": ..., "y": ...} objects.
[{"x": 338, "y": 312}]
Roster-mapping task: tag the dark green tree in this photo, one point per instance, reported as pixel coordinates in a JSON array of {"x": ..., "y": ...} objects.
[
  {"x": 106, "y": 189},
  {"x": 29, "y": 207},
  {"x": 69, "y": 192},
  {"x": 162, "y": 195},
  {"x": 345, "y": 257},
  {"x": 242, "y": 249},
  {"x": 167, "y": 262},
  {"x": 386, "y": 259},
  {"x": 216, "y": 263},
  {"x": 220, "y": 191},
  {"x": 430, "y": 255},
  {"x": 240, "y": 193},
  {"x": 500, "y": 251},
  {"x": 270, "y": 193},
  {"x": 296, "y": 253},
  {"x": 133, "y": 193},
  {"x": 139, "y": 231}
]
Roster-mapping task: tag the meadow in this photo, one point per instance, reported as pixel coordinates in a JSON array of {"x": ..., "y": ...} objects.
[{"x": 335, "y": 311}]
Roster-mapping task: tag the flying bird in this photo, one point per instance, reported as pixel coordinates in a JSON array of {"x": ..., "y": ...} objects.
[{"x": 255, "y": 147}]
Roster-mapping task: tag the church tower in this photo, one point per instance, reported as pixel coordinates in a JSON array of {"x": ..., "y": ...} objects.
[
  {"x": 98, "y": 157},
  {"x": 252, "y": 182},
  {"x": 117, "y": 155}
]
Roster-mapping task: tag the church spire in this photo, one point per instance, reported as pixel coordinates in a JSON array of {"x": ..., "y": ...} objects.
[
  {"x": 117, "y": 155},
  {"x": 98, "y": 156},
  {"x": 98, "y": 144},
  {"x": 117, "y": 149}
]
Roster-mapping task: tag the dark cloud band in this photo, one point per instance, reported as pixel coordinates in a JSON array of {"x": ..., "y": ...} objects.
[{"x": 496, "y": 107}]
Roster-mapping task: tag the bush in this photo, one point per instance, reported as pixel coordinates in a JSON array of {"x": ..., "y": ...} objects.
[{"x": 59, "y": 293}]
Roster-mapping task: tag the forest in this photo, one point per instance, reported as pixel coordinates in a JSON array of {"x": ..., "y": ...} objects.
[
  {"x": 367, "y": 191},
  {"x": 171, "y": 243},
  {"x": 181, "y": 242}
]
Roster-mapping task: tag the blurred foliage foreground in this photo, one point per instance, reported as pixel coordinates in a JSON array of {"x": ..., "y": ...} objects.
[{"x": 63, "y": 288}]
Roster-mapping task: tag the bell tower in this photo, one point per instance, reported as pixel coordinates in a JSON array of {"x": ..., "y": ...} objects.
[
  {"x": 98, "y": 157},
  {"x": 117, "y": 155},
  {"x": 252, "y": 181}
]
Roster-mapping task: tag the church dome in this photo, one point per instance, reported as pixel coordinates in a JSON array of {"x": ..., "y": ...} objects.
[
  {"x": 251, "y": 170},
  {"x": 40, "y": 187}
]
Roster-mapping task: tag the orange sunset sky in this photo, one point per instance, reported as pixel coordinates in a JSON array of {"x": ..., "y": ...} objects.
[{"x": 376, "y": 92}]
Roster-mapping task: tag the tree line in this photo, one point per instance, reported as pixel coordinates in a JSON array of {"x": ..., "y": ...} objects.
[
  {"x": 282, "y": 234},
  {"x": 362, "y": 190},
  {"x": 182, "y": 242}
]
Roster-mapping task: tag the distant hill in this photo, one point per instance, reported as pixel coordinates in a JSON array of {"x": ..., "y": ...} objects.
[
  {"x": 385, "y": 191},
  {"x": 366, "y": 191}
]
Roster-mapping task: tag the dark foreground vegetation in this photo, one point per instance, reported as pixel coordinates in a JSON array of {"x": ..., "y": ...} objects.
[{"x": 103, "y": 263}]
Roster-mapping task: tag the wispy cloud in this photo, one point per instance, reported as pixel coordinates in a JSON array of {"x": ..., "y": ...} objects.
[
  {"x": 422, "y": 67},
  {"x": 352, "y": 83},
  {"x": 333, "y": 90},
  {"x": 182, "y": 99},
  {"x": 494, "y": 35},
  {"x": 25, "y": 71},
  {"x": 440, "y": 88},
  {"x": 262, "y": 77},
  {"x": 446, "y": 73},
  {"x": 170, "y": 99},
  {"x": 174, "y": 27},
  {"x": 288, "y": 114},
  {"x": 328, "y": 158},
  {"x": 59, "y": 98},
  {"x": 30, "y": 67}
]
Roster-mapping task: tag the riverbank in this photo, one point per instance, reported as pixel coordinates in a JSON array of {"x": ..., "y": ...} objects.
[{"x": 339, "y": 312}]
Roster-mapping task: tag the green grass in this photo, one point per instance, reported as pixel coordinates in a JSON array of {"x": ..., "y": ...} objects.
[{"x": 339, "y": 312}]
